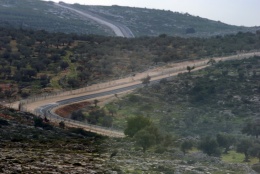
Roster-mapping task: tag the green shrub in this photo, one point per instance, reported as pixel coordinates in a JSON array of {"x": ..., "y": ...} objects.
[
  {"x": 160, "y": 149},
  {"x": 134, "y": 98},
  {"x": 135, "y": 124}
]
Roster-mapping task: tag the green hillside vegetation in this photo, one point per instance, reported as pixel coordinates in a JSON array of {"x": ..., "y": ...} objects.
[
  {"x": 34, "y": 60},
  {"x": 221, "y": 98},
  {"x": 214, "y": 109},
  {"x": 42, "y": 15}
]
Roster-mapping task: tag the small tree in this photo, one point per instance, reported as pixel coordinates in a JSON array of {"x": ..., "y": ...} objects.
[
  {"x": 145, "y": 139},
  {"x": 38, "y": 122},
  {"x": 154, "y": 130},
  {"x": 252, "y": 128},
  {"x": 97, "y": 116},
  {"x": 186, "y": 145},
  {"x": 243, "y": 147},
  {"x": 211, "y": 62},
  {"x": 225, "y": 141},
  {"x": 111, "y": 110},
  {"x": 146, "y": 80},
  {"x": 190, "y": 68},
  {"x": 254, "y": 151},
  {"x": 210, "y": 146},
  {"x": 96, "y": 102},
  {"x": 62, "y": 125},
  {"x": 135, "y": 124}
]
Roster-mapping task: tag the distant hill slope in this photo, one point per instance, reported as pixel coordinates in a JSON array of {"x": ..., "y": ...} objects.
[
  {"x": 35, "y": 14},
  {"x": 45, "y": 15},
  {"x": 153, "y": 22}
]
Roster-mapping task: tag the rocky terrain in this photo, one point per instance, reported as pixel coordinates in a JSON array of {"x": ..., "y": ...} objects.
[
  {"x": 28, "y": 149},
  {"x": 130, "y": 159}
]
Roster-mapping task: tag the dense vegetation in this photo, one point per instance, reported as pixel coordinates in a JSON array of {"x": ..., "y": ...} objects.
[{"x": 34, "y": 60}]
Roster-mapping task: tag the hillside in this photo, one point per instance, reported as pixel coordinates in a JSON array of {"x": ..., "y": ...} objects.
[
  {"x": 217, "y": 106},
  {"x": 152, "y": 22},
  {"x": 34, "y": 62},
  {"x": 220, "y": 98},
  {"x": 29, "y": 145},
  {"x": 38, "y": 15},
  {"x": 42, "y": 15}
]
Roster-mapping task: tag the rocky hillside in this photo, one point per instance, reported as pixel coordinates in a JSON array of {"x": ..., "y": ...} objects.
[
  {"x": 45, "y": 15},
  {"x": 28, "y": 145}
]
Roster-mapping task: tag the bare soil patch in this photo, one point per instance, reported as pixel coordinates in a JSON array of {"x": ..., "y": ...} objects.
[{"x": 66, "y": 111}]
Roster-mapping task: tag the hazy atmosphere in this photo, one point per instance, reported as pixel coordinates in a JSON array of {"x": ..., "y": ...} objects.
[
  {"x": 235, "y": 12},
  {"x": 130, "y": 86}
]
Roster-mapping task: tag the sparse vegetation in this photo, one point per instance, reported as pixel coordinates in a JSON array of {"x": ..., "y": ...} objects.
[
  {"x": 36, "y": 62},
  {"x": 207, "y": 104}
]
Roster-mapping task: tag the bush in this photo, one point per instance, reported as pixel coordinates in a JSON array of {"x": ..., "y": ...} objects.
[
  {"x": 186, "y": 145},
  {"x": 38, "y": 122},
  {"x": 210, "y": 146},
  {"x": 78, "y": 115},
  {"x": 145, "y": 139},
  {"x": 134, "y": 98},
  {"x": 135, "y": 124},
  {"x": 160, "y": 149},
  {"x": 62, "y": 125},
  {"x": 3, "y": 122}
]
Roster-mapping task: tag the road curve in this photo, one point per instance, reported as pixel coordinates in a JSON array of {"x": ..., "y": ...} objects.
[
  {"x": 119, "y": 29},
  {"x": 47, "y": 108}
]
